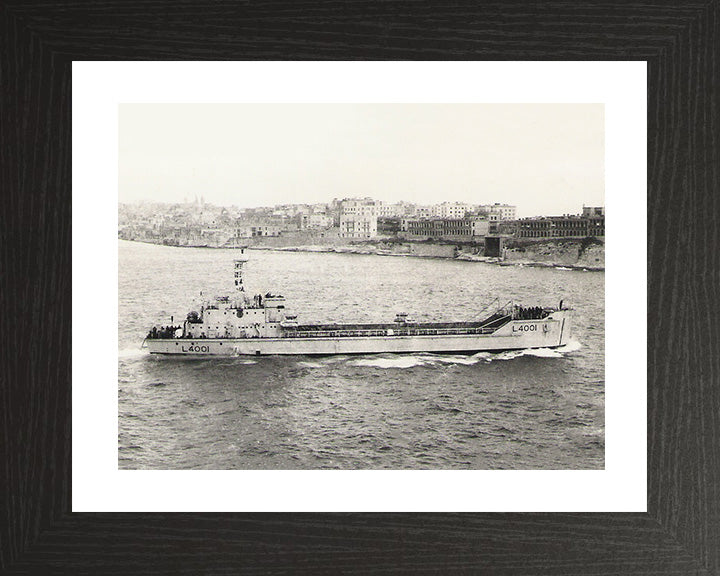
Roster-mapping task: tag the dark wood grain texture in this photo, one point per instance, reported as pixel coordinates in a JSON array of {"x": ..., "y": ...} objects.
[{"x": 680, "y": 534}]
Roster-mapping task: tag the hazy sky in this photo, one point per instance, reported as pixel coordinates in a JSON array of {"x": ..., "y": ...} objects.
[{"x": 543, "y": 158}]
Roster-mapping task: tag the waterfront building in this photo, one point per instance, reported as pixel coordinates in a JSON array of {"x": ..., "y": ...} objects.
[
  {"x": 479, "y": 226},
  {"x": 504, "y": 228},
  {"x": 358, "y": 218},
  {"x": 389, "y": 225},
  {"x": 493, "y": 220},
  {"x": 258, "y": 228},
  {"x": 469, "y": 228},
  {"x": 425, "y": 228},
  {"x": 567, "y": 226},
  {"x": 315, "y": 221}
]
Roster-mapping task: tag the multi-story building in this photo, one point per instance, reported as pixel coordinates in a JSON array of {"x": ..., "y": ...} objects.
[
  {"x": 315, "y": 221},
  {"x": 479, "y": 226},
  {"x": 445, "y": 228},
  {"x": 385, "y": 210},
  {"x": 408, "y": 209},
  {"x": 451, "y": 210},
  {"x": 252, "y": 229},
  {"x": 358, "y": 218},
  {"x": 424, "y": 211},
  {"x": 425, "y": 228},
  {"x": 505, "y": 211},
  {"x": 358, "y": 227},
  {"x": 567, "y": 226},
  {"x": 593, "y": 211},
  {"x": 504, "y": 228},
  {"x": 389, "y": 225}
]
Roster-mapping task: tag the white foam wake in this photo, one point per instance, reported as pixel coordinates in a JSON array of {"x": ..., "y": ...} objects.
[
  {"x": 560, "y": 352},
  {"x": 311, "y": 364},
  {"x": 572, "y": 346},
  {"x": 394, "y": 362},
  {"x": 465, "y": 360},
  {"x": 413, "y": 360},
  {"x": 543, "y": 353}
]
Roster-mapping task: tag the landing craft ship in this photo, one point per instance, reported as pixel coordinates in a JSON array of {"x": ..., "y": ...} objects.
[{"x": 240, "y": 325}]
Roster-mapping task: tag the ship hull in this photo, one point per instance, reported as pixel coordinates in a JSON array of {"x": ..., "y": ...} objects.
[{"x": 516, "y": 335}]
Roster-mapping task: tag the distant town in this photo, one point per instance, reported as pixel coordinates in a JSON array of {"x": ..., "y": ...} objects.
[{"x": 349, "y": 220}]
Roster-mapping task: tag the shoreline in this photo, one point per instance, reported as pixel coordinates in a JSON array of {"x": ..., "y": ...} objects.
[{"x": 375, "y": 251}]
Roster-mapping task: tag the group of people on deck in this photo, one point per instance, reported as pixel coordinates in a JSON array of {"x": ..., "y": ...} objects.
[
  {"x": 163, "y": 332},
  {"x": 531, "y": 313}
]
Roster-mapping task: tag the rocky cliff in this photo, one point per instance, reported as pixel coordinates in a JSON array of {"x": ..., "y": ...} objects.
[{"x": 585, "y": 252}]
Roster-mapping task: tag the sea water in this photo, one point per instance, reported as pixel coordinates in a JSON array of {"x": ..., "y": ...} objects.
[{"x": 528, "y": 409}]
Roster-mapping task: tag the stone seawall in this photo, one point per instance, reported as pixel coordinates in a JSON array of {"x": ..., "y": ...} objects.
[
  {"x": 319, "y": 242},
  {"x": 586, "y": 253},
  {"x": 417, "y": 249}
]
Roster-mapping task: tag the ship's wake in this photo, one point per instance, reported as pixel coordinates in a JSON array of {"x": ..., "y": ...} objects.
[
  {"x": 389, "y": 361},
  {"x": 394, "y": 361}
]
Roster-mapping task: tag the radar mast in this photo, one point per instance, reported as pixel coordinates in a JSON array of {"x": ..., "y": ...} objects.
[{"x": 239, "y": 263}]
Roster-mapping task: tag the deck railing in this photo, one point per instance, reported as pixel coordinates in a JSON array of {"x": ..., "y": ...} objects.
[{"x": 387, "y": 333}]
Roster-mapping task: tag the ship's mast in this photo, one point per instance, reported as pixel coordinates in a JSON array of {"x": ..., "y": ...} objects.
[{"x": 239, "y": 263}]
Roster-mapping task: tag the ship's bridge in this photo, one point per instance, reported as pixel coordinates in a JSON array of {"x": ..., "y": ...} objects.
[{"x": 273, "y": 301}]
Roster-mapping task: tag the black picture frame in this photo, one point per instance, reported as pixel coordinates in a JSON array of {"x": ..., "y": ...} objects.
[{"x": 680, "y": 533}]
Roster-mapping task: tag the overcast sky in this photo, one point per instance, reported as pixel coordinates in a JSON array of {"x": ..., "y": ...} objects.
[{"x": 544, "y": 158}]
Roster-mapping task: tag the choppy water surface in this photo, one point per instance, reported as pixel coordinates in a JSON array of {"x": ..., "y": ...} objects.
[{"x": 539, "y": 409}]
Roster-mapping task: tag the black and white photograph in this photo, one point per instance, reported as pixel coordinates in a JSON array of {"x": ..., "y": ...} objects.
[
  {"x": 356, "y": 203},
  {"x": 361, "y": 286}
]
